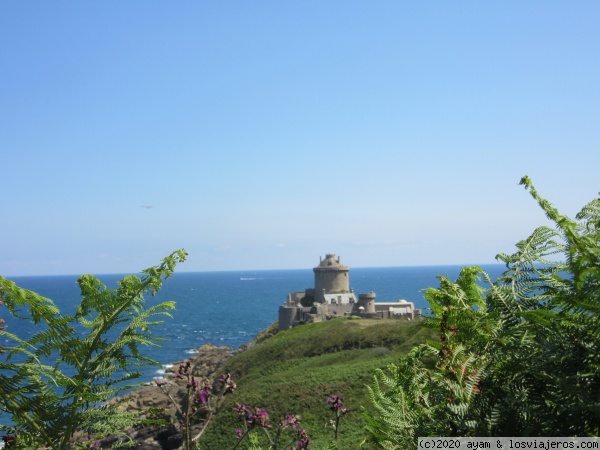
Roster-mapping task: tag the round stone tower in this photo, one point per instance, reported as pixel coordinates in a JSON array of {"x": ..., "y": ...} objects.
[
  {"x": 330, "y": 277},
  {"x": 367, "y": 302}
]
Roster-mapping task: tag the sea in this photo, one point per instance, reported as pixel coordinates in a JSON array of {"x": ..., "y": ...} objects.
[{"x": 231, "y": 308}]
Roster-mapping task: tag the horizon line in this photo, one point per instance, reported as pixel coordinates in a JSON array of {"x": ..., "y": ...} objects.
[{"x": 247, "y": 270}]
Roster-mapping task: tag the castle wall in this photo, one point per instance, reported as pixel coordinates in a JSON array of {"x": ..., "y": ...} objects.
[
  {"x": 295, "y": 298},
  {"x": 398, "y": 309},
  {"x": 339, "y": 310},
  {"x": 339, "y": 299},
  {"x": 289, "y": 316}
]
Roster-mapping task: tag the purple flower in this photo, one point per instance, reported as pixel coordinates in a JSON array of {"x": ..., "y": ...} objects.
[
  {"x": 260, "y": 418},
  {"x": 229, "y": 386},
  {"x": 239, "y": 433},
  {"x": 303, "y": 440},
  {"x": 290, "y": 421},
  {"x": 160, "y": 382},
  {"x": 193, "y": 383},
  {"x": 202, "y": 396},
  {"x": 242, "y": 409},
  {"x": 223, "y": 378},
  {"x": 336, "y": 403}
]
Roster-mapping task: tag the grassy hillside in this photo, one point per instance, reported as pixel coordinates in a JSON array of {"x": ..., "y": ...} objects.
[{"x": 295, "y": 371}]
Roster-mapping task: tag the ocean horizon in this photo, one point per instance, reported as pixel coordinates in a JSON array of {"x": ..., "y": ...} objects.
[{"x": 231, "y": 307}]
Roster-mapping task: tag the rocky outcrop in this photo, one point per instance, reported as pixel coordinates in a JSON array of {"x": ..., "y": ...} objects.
[{"x": 206, "y": 363}]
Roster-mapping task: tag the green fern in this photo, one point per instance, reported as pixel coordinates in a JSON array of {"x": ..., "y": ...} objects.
[
  {"x": 518, "y": 358},
  {"x": 48, "y": 407}
]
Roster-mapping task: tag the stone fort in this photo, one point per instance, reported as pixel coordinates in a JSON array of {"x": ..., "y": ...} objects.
[{"x": 332, "y": 297}]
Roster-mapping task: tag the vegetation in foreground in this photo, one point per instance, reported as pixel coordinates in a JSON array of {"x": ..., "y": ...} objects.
[
  {"x": 518, "y": 358},
  {"x": 49, "y": 406}
]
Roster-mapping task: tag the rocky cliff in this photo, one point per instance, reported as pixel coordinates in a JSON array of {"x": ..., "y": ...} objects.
[{"x": 206, "y": 363}]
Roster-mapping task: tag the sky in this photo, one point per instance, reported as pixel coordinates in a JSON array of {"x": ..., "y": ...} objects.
[{"x": 264, "y": 134}]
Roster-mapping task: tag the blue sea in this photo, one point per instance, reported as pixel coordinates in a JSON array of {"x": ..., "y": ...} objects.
[{"x": 230, "y": 308}]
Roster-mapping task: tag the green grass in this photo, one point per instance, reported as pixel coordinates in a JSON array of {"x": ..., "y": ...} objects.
[{"x": 295, "y": 371}]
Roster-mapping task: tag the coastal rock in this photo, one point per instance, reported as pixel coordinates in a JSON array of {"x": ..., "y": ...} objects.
[{"x": 206, "y": 363}]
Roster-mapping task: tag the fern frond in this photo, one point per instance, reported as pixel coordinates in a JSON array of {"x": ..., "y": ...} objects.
[{"x": 51, "y": 406}]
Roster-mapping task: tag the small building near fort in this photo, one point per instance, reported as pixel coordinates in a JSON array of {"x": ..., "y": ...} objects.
[{"x": 332, "y": 297}]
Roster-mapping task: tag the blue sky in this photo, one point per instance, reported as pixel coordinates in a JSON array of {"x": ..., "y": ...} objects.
[{"x": 268, "y": 133}]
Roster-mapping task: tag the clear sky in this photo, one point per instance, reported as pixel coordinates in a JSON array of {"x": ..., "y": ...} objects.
[{"x": 265, "y": 134}]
